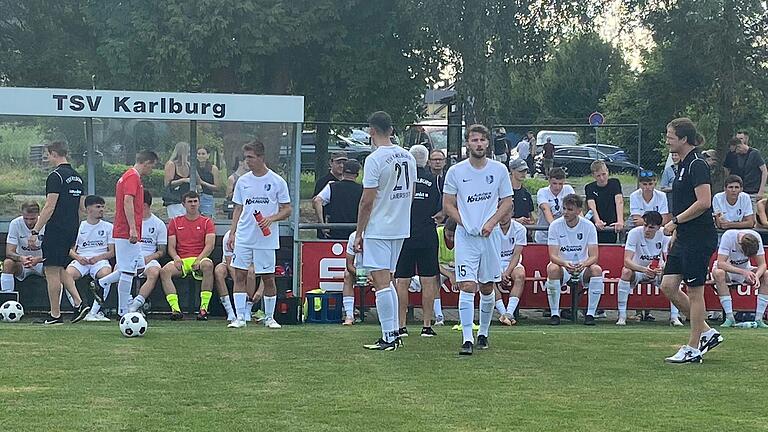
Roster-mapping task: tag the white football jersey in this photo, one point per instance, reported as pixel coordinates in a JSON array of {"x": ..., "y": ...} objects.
[
  {"x": 573, "y": 242},
  {"x": 477, "y": 191},
  {"x": 351, "y": 249},
  {"x": 92, "y": 240},
  {"x": 392, "y": 172},
  {"x": 225, "y": 250},
  {"x": 516, "y": 236},
  {"x": 638, "y": 205},
  {"x": 18, "y": 234},
  {"x": 729, "y": 245},
  {"x": 732, "y": 213},
  {"x": 153, "y": 233},
  {"x": 646, "y": 250},
  {"x": 263, "y": 194},
  {"x": 545, "y": 195}
]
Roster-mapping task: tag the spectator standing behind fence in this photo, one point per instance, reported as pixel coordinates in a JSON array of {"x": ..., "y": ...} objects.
[
  {"x": 437, "y": 167},
  {"x": 208, "y": 178},
  {"x": 548, "y": 156},
  {"x": 747, "y": 163},
  {"x": 338, "y": 202},
  {"x": 335, "y": 173},
  {"x": 176, "y": 180},
  {"x": 232, "y": 179},
  {"x": 605, "y": 200},
  {"x": 501, "y": 146},
  {"x": 523, "y": 202},
  {"x": 524, "y": 149},
  {"x": 550, "y": 201},
  {"x": 732, "y": 207},
  {"x": 668, "y": 176}
]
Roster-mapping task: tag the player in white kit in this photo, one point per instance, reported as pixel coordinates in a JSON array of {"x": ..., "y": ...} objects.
[
  {"x": 644, "y": 253},
  {"x": 353, "y": 261},
  {"x": 477, "y": 194},
  {"x": 732, "y": 208},
  {"x": 733, "y": 265},
  {"x": 573, "y": 252},
  {"x": 513, "y": 238},
  {"x": 21, "y": 260},
  {"x": 384, "y": 221},
  {"x": 550, "y": 201}
]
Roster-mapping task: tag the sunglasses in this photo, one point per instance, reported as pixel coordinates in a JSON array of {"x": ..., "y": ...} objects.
[{"x": 647, "y": 174}]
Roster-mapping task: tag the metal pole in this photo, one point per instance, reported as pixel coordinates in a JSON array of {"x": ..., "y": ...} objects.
[
  {"x": 296, "y": 209},
  {"x": 639, "y": 145},
  {"x": 193, "y": 155},
  {"x": 90, "y": 156}
]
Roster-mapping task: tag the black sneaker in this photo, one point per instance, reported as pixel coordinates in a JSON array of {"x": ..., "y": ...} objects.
[
  {"x": 649, "y": 317},
  {"x": 81, "y": 312},
  {"x": 427, "y": 332},
  {"x": 399, "y": 342},
  {"x": 202, "y": 315},
  {"x": 482, "y": 342},
  {"x": 466, "y": 348},
  {"x": 589, "y": 320},
  {"x": 403, "y": 332},
  {"x": 177, "y": 316},
  {"x": 382, "y": 345},
  {"x": 554, "y": 320},
  {"x": 96, "y": 291},
  {"x": 50, "y": 321}
]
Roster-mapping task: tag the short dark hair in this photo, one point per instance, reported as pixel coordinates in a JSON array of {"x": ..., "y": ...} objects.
[
  {"x": 58, "y": 147},
  {"x": 94, "y": 199},
  {"x": 733, "y": 178},
  {"x": 652, "y": 218},
  {"x": 190, "y": 195},
  {"x": 450, "y": 225},
  {"x": 147, "y": 197},
  {"x": 30, "y": 207},
  {"x": 734, "y": 142},
  {"x": 684, "y": 128},
  {"x": 557, "y": 173},
  {"x": 749, "y": 245},
  {"x": 146, "y": 156},
  {"x": 574, "y": 200},
  {"x": 381, "y": 122},
  {"x": 254, "y": 146},
  {"x": 477, "y": 128}
]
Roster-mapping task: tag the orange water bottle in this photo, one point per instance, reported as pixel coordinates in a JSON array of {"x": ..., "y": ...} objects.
[{"x": 259, "y": 219}]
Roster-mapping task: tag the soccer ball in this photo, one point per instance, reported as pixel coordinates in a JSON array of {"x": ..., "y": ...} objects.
[
  {"x": 133, "y": 324},
  {"x": 11, "y": 311}
]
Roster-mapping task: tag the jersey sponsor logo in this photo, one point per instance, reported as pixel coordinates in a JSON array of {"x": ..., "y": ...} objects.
[
  {"x": 257, "y": 200},
  {"x": 649, "y": 257},
  {"x": 507, "y": 253},
  {"x": 571, "y": 248},
  {"x": 424, "y": 182},
  {"x": 479, "y": 197},
  {"x": 75, "y": 179},
  {"x": 148, "y": 241},
  {"x": 93, "y": 243},
  {"x": 738, "y": 262},
  {"x": 489, "y": 178}
]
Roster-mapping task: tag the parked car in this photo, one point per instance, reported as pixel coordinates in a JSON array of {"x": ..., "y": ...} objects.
[
  {"x": 354, "y": 149},
  {"x": 577, "y": 159},
  {"x": 613, "y": 152}
]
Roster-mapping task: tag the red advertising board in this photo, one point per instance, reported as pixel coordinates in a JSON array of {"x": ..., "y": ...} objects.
[{"x": 323, "y": 265}]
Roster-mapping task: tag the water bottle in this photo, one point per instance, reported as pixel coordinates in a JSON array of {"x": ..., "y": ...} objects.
[
  {"x": 361, "y": 277},
  {"x": 746, "y": 325},
  {"x": 260, "y": 218},
  {"x": 654, "y": 264}
]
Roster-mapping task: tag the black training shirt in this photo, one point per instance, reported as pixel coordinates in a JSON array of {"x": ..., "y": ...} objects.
[
  {"x": 605, "y": 199},
  {"x": 426, "y": 202},
  {"x": 343, "y": 206},
  {"x": 747, "y": 167},
  {"x": 523, "y": 203},
  {"x": 322, "y": 181},
  {"x": 693, "y": 172},
  {"x": 66, "y": 182}
]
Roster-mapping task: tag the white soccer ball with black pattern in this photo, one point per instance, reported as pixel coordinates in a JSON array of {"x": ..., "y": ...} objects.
[
  {"x": 11, "y": 311},
  {"x": 133, "y": 324}
]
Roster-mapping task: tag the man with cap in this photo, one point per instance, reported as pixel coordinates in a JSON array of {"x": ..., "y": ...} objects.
[
  {"x": 335, "y": 173},
  {"x": 523, "y": 202},
  {"x": 338, "y": 201}
]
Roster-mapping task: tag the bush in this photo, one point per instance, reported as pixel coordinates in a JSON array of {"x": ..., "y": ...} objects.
[{"x": 107, "y": 176}]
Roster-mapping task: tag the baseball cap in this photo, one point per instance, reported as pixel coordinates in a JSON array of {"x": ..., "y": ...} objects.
[
  {"x": 518, "y": 165},
  {"x": 352, "y": 166},
  {"x": 338, "y": 156}
]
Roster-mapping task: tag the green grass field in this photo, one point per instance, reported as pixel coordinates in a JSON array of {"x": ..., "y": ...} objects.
[{"x": 201, "y": 376}]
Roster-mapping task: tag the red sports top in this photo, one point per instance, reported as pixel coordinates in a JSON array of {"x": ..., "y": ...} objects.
[
  {"x": 129, "y": 184},
  {"x": 190, "y": 234}
]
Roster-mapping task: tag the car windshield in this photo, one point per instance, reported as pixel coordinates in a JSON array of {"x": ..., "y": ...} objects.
[{"x": 438, "y": 137}]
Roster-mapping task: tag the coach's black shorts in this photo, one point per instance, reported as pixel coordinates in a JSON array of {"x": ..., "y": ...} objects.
[
  {"x": 419, "y": 261},
  {"x": 691, "y": 260},
  {"x": 56, "y": 246}
]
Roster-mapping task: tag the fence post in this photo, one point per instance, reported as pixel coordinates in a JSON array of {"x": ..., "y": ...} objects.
[
  {"x": 193, "y": 155},
  {"x": 91, "y": 151}
]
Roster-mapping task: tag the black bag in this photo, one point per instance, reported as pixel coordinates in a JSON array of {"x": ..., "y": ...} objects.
[{"x": 171, "y": 195}]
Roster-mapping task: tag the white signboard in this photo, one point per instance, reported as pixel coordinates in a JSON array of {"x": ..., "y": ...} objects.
[{"x": 150, "y": 105}]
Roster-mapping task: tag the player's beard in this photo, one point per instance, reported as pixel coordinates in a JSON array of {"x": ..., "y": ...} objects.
[{"x": 477, "y": 154}]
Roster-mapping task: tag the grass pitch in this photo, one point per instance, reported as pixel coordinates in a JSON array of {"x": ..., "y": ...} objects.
[{"x": 201, "y": 376}]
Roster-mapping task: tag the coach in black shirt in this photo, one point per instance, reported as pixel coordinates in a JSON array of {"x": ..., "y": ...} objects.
[
  {"x": 419, "y": 253},
  {"x": 339, "y": 200},
  {"x": 694, "y": 240},
  {"x": 61, "y": 218}
]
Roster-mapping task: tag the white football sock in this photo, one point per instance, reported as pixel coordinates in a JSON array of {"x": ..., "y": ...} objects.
[
  {"x": 624, "y": 289},
  {"x": 396, "y": 302},
  {"x": 467, "y": 314},
  {"x": 486, "y": 313},
  {"x": 595, "y": 291},
  {"x": 109, "y": 279},
  {"x": 762, "y": 303},
  {"x": 385, "y": 308},
  {"x": 7, "y": 282},
  {"x": 438, "y": 307},
  {"x": 727, "y": 303},
  {"x": 137, "y": 303},
  {"x": 241, "y": 299},
  {"x": 123, "y": 293},
  {"x": 553, "y": 296},
  {"x": 500, "y": 306},
  {"x": 349, "y": 306},
  {"x": 512, "y": 306},
  {"x": 269, "y": 307},
  {"x": 69, "y": 297},
  {"x": 227, "y": 304},
  {"x": 674, "y": 312},
  {"x": 248, "y": 308}
]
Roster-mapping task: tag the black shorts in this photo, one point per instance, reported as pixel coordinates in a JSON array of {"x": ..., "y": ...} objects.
[
  {"x": 56, "y": 246},
  {"x": 418, "y": 261},
  {"x": 691, "y": 260}
]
